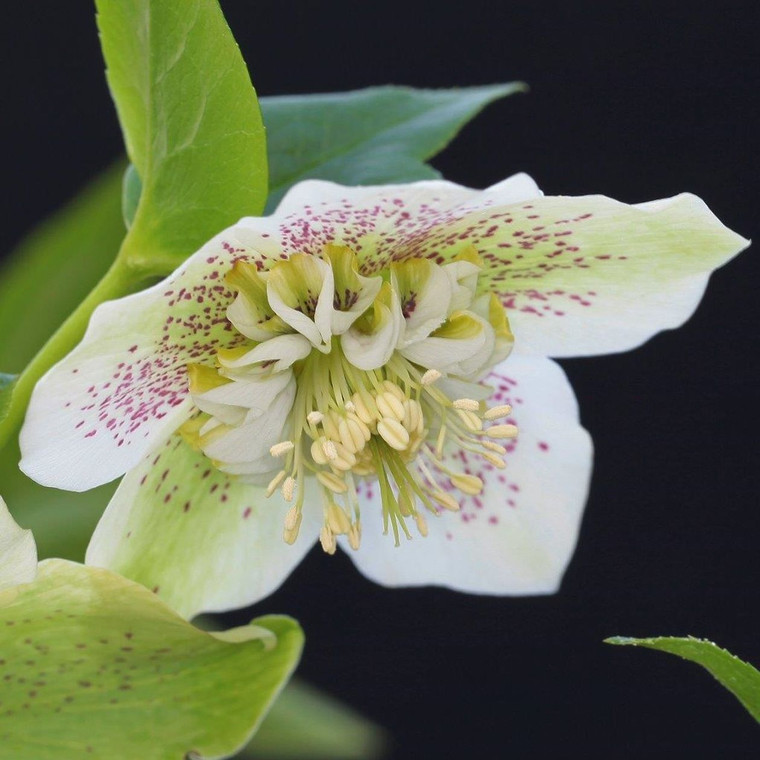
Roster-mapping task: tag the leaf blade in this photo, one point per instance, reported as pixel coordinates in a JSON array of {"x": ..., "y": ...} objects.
[
  {"x": 157, "y": 684},
  {"x": 190, "y": 120},
  {"x": 739, "y": 677},
  {"x": 370, "y": 136}
]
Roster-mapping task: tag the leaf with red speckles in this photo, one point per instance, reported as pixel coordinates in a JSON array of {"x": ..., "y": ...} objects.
[
  {"x": 366, "y": 137},
  {"x": 191, "y": 123},
  {"x": 739, "y": 677},
  {"x": 81, "y": 641}
]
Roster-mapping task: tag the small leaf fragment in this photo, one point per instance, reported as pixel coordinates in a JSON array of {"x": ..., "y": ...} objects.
[{"x": 739, "y": 677}]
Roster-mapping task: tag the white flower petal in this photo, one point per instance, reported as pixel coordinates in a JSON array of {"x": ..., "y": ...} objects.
[
  {"x": 251, "y": 441},
  {"x": 589, "y": 275},
  {"x": 203, "y": 541},
  {"x": 371, "y": 351},
  {"x": 283, "y": 350},
  {"x": 518, "y": 537}
]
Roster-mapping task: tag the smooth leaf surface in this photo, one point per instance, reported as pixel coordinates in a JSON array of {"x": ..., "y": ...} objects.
[
  {"x": 306, "y": 724},
  {"x": 96, "y": 666},
  {"x": 6, "y": 393},
  {"x": 365, "y": 137},
  {"x": 131, "y": 190},
  {"x": 190, "y": 119},
  {"x": 739, "y": 677}
]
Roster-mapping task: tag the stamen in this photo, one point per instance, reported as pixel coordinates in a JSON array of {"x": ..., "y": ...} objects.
[
  {"x": 446, "y": 500},
  {"x": 332, "y": 481},
  {"x": 494, "y": 413},
  {"x": 328, "y": 447},
  {"x": 430, "y": 377},
  {"x": 393, "y": 433},
  {"x": 469, "y": 484},
  {"x": 471, "y": 420},
  {"x": 422, "y": 525},
  {"x": 281, "y": 448},
  {"x": 274, "y": 482},
  {"x": 390, "y": 405},
  {"x": 292, "y": 517},
  {"x": 337, "y": 520},
  {"x": 315, "y": 418},
  {"x": 468, "y": 404},
  {"x": 501, "y": 431},
  {"x": 327, "y": 539},
  {"x": 289, "y": 488}
]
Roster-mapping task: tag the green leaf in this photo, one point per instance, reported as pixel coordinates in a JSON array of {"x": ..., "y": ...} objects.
[
  {"x": 740, "y": 678},
  {"x": 130, "y": 194},
  {"x": 54, "y": 267},
  {"x": 306, "y": 724},
  {"x": 190, "y": 119},
  {"x": 7, "y": 382},
  {"x": 97, "y": 666},
  {"x": 371, "y": 136}
]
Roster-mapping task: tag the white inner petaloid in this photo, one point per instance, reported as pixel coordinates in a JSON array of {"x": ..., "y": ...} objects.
[{"x": 343, "y": 377}]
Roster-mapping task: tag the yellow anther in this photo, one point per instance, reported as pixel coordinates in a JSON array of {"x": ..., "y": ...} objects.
[
  {"x": 274, "y": 482},
  {"x": 502, "y": 431},
  {"x": 338, "y": 520},
  {"x": 292, "y": 517},
  {"x": 495, "y": 460},
  {"x": 281, "y": 448},
  {"x": 468, "y": 404},
  {"x": 469, "y": 484},
  {"x": 471, "y": 420},
  {"x": 351, "y": 435},
  {"x": 390, "y": 405},
  {"x": 314, "y": 418},
  {"x": 318, "y": 451},
  {"x": 430, "y": 377},
  {"x": 327, "y": 539},
  {"x": 494, "y": 413},
  {"x": 350, "y": 406},
  {"x": 362, "y": 426},
  {"x": 363, "y": 410},
  {"x": 422, "y": 525},
  {"x": 393, "y": 433},
  {"x": 354, "y": 536},
  {"x": 329, "y": 449},
  {"x": 289, "y": 488},
  {"x": 413, "y": 417},
  {"x": 498, "y": 448},
  {"x": 343, "y": 459},
  {"x": 394, "y": 389},
  {"x": 331, "y": 481},
  {"x": 291, "y": 534},
  {"x": 446, "y": 500}
]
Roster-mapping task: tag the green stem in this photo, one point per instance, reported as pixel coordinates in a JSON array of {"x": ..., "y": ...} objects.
[{"x": 120, "y": 279}]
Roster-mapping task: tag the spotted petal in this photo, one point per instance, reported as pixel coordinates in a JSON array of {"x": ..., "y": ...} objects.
[
  {"x": 124, "y": 388},
  {"x": 590, "y": 275},
  {"x": 518, "y": 536},
  {"x": 201, "y": 540}
]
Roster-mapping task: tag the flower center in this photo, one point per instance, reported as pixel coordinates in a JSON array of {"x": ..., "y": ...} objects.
[{"x": 340, "y": 383}]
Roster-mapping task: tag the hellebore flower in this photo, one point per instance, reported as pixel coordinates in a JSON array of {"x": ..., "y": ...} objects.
[{"x": 337, "y": 370}]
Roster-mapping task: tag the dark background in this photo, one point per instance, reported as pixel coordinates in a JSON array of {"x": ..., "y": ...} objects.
[{"x": 633, "y": 100}]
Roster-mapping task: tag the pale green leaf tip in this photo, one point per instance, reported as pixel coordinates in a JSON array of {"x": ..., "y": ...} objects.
[{"x": 18, "y": 552}]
